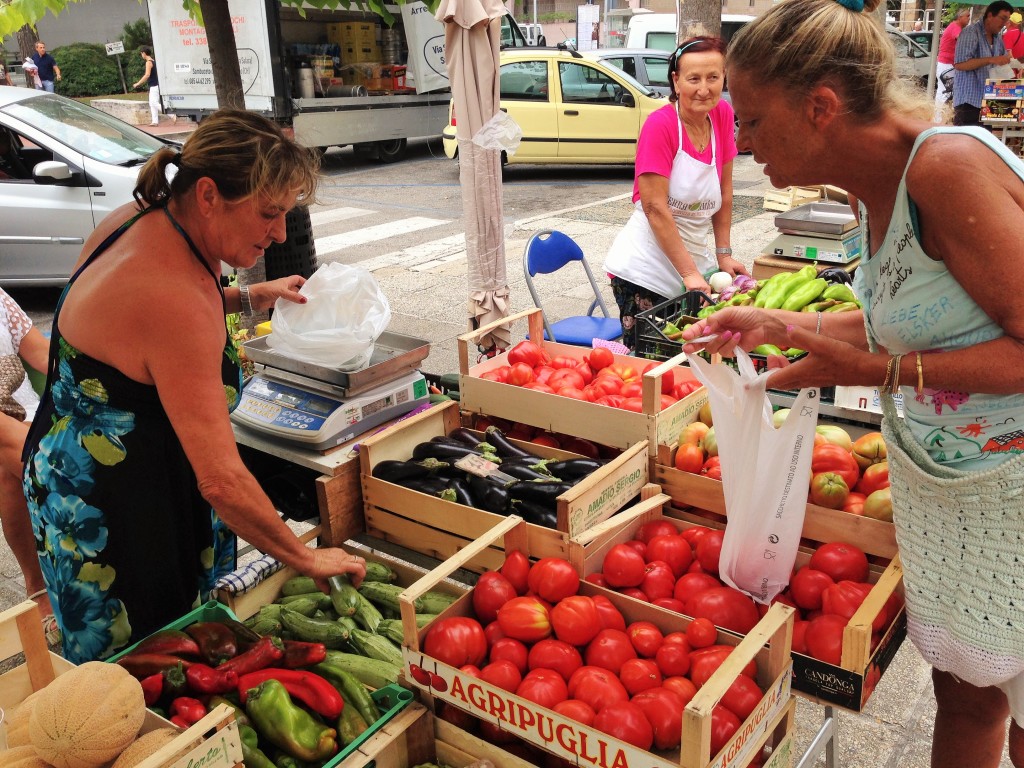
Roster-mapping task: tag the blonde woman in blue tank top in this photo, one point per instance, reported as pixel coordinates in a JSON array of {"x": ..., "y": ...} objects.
[{"x": 941, "y": 211}]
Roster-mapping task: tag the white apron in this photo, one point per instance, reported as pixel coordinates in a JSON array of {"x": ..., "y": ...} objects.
[{"x": 694, "y": 196}]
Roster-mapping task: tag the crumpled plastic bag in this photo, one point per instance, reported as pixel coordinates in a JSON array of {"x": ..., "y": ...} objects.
[
  {"x": 501, "y": 132},
  {"x": 344, "y": 314}
]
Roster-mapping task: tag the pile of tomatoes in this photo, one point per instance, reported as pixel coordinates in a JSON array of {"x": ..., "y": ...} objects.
[
  {"x": 534, "y": 635},
  {"x": 678, "y": 570},
  {"x": 851, "y": 475},
  {"x": 595, "y": 378}
]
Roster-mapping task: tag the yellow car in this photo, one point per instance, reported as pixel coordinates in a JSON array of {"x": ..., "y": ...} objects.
[{"x": 571, "y": 106}]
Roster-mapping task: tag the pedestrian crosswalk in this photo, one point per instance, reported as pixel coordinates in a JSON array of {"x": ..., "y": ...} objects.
[{"x": 334, "y": 243}]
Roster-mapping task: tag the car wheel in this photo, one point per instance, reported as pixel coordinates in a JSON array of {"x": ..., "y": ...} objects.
[{"x": 391, "y": 151}]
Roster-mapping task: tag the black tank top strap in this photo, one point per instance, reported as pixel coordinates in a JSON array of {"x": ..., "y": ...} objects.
[{"x": 195, "y": 252}]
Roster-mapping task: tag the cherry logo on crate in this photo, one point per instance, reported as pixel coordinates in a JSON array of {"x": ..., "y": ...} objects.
[{"x": 428, "y": 679}]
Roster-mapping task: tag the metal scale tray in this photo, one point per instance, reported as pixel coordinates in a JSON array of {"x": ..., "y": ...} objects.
[
  {"x": 394, "y": 355},
  {"x": 820, "y": 219}
]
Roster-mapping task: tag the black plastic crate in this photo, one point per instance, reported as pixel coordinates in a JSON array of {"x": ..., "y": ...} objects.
[{"x": 297, "y": 254}]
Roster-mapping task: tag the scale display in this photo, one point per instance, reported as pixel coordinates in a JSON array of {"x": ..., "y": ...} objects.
[{"x": 319, "y": 420}]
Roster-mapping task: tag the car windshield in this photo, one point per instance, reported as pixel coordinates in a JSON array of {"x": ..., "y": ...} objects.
[
  {"x": 86, "y": 130},
  {"x": 635, "y": 83}
]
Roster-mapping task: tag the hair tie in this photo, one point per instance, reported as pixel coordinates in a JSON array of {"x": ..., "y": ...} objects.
[
  {"x": 857, "y": 6},
  {"x": 175, "y": 161}
]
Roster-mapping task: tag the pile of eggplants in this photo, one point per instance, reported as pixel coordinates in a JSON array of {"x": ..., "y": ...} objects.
[{"x": 532, "y": 493}]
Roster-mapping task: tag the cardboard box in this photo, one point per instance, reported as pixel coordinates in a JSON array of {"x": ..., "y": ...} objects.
[
  {"x": 213, "y": 741},
  {"x": 602, "y": 424},
  {"x": 768, "y": 644},
  {"x": 1003, "y": 111},
  {"x": 360, "y": 53},
  {"x": 864, "y": 399},
  {"x": 352, "y": 33},
  {"x": 439, "y": 528},
  {"x": 765, "y": 266},
  {"x": 1010, "y": 89}
]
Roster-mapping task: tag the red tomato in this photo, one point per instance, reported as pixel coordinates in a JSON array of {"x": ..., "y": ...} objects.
[
  {"x": 499, "y": 375},
  {"x": 585, "y": 372},
  {"x": 684, "y": 388},
  {"x": 840, "y": 561},
  {"x": 639, "y": 675},
  {"x": 623, "y": 567},
  {"x": 525, "y": 618},
  {"x": 516, "y": 569},
  {"x": 663, "y": 708},
  {"x": 542, "y": 373},
  {"x": 612, "y": 401},
  {"x": 625, "y": 372},
  {"x": 645, "y": 637},
  {"x": 467, "y": 669},
  {"x": 844, "y": 598},
  {"x": 609, "y": 649},
  {"x": 676, "y": 637},
  {"x": 854, "y": 503},
  {"x": 669, "y": 604},
  {"x": 705, "y": 661},
  {"x": 690, "y": 584},
  {"x": 566, "y": 377},
  {"x": 510, "y": 649},
  {"x": 556, "y": 655},
  {"x": 626, "y": 722},
  {"x": 668, "y": 379},
  {"x": 458, "y": 717},
  {"x": 869, "y": 449},
  {"x": 564, "y": 361},
  {"x": 632, "y": 389},
  {"x": 520, "y": 431},
  {"x": 528, "y": 352},
  {"x": 800, "y": 636},
  {"x": 639, "y": 546},
  {"x": 635, "y": 404},
  {"x": 712, "y": 468},
  {"x": 575, "y": 709},
  {"x": 503, "y": 674},
  {"x": 596, "y": 578},
  {"x": 709, "y": 550},
  {"x": 829, "y": 490},
  {"x": 829, "y": 457},
  {"x": 599, "y": 358},
  {"x": 547, "y": 439},
  {"x": 701, "y": 633},
  {"x": 456, "y": 641},
  {"x": 536, "y": 386},
  {"x": 689, "y": 458},
  {"x": 492, "y": 591},
  {"x": 682, "y": 687},
  {"x": 806, "y": 587},
  {"x": 653, "y": 528},
  {"x": 596, "y": 686},
  {"x": 724, "y": 725},
  {"x": 493, "y": 633},
  {"x": 694, "y": 534},
  {"x": 552, "y": 578},
  {"x": 607, "y": 614},
  {"x": 659, "y": 581},
  {"x": 543, "y": 686},
  {"x": 725, "y": 606},
  {"x": 875, "y": 478},
  {"x": 742, "y": 697},
  {"x": 636, "y": 593},
  {"x": 672, "y": 549},
  {"x": 580, "y": 446},
  {"x": 495, "y": 734},
  {"x": 673, "y": 659},
  {"x": 824, "y": 638},
  {"x": 520, "y": 374},
  {"x": 574, "y": 620},
  {"x": 608, "y": 385}
]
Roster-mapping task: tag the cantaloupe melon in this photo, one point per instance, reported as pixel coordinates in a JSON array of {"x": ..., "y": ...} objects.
[
  {"x": 22, "y": 757},
  {"x": 87, "y": 716},
  {"x": 144, "y": 746},
  {"x": 17, "y": 722}
]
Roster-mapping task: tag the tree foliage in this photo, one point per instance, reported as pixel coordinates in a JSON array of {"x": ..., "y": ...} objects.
[
  {"x": 87, "y": 70},
  {"x": 136, "y": 33}
]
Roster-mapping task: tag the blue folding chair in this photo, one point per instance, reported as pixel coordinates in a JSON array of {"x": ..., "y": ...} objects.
[{"x": 548, "y": 251}]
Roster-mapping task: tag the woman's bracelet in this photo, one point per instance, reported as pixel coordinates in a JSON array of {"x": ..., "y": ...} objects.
[
  {"x": 723, "y": 251},
  {"x": 920, "y": 376},
  {"x": 817, "y": 327},
  {"x": 891, "y": 384}
]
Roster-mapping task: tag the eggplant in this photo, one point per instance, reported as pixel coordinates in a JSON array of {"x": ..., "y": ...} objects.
[
  {"x": 462, "y": 492},
  {"x": 489, "y": 495},
  {"x": 545, "y": 493},
  {"x": 504, "y": 446},
  {"x": 474, "y": 441},
  {"x": 536, "y": 514},
  {"x": 573, "y": 469},
  {"x": 442, "y": 451},
  {"x": 429, "y": 484},
  {"x": 396, "y": 471},
  {"x": 525, "y": 472}
]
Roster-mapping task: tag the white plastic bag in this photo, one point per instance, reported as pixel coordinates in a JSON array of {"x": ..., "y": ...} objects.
[
  {"x": 765, "y": 475},
  {"x": 1001, "y": 72},
  {"x": 345, "y": 313}
]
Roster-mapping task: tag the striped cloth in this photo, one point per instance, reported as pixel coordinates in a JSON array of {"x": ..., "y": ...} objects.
[{"x": 248, "y": 576}]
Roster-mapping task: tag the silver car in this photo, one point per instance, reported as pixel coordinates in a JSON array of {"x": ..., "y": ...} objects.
[
  {"x": 647, "y": 66},
  {"x": 68, "y": 166}
]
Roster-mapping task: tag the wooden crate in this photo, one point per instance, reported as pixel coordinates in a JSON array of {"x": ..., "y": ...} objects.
[
  {"x": 439, "y": 528},
  {"x": 769, "y": 643},
  {"x": 851, "y": 683},
  {"x": 790, "y": 197},
  {"x": 600, "y": 423},
  {"x": 212, "y": 742}
]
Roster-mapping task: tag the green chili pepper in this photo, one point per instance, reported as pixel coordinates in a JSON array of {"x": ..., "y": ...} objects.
[
  {"x": 800, "y": 278},
  {"x": 772, "y": 287},
  {"x": 251, "y": 754},
  {"x": 804, "y": 294},
  {"x": 767, "y": 349},
  {"x": 287, "y": 726},
  {"x": 839, "y": 291},
  {"x": 240, "y": 716}
]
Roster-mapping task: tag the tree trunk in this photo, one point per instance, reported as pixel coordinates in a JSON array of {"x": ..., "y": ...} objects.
[
  {"x": 26, "y": 41},
  {"x": 220, "y": 37},
  {"x": 699, "y": 17}
]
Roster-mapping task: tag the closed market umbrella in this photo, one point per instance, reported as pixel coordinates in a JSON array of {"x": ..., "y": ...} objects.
[{"x": 472, "y": 37}]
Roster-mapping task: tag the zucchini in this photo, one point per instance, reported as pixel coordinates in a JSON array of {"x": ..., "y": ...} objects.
[
  {"x": 367, "y": 614},
  {"x": 375, "y": 646},
  {"x": 380, "y": 572},
  {"x": 434, "y": 602},
  {"x": 323, "y": 602},
  {"x": 266, "y": 627},
  {"x": 351, "y": 724},
  {"x": 370, "y": 672},
  {"x": 351, "y": 688},
  {"x": 347, "y": 622},
  {"x": 343, "y": 595},
  {"x": 311, "y": 630},
  {"x": 392, "y": 630},
  {"x": 299, "y": 585},
  {"x": 270, "y": 611},
  {"x": 306, "y": 606},
  {"x": 383, "y": 595}
]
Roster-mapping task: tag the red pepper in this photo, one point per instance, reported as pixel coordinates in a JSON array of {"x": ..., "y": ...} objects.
[
  {"x": 172, "y": 641},
  {"x": 265, "y": 653},
  {"x": 175, "y": 682},
  {"x": 217, "y": 642},
  {"x": 190, "y": 710},
  {"x": 299, "y": 654},
  {"x": 206, "y": 680},
  {"x": 142, "y": 665},
  {"x": 312, "y": 690},
  {"x": 152, "y": 688},
  {"x": 181, "y": 722}
]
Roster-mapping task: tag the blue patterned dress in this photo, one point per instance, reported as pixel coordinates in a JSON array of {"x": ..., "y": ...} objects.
[{"x": 126, "y": 542}]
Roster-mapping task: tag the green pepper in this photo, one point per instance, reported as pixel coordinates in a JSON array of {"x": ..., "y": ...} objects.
[
  {"x": 251, "y": 754},
  {"x": 846, "y": 306},
  {"x": 773, "y": 286},
  {"x": 804, "y": 294},
  {"x": 820, "y": 306},
  {"x": 287, "y": 726},
  {"x": 839, "y": 291},
  {"x": 766, "y": 350},
  {"x": 793, "y": 352},
  {"x": 800, "y": 278},
  {"x": 240, "y": 716}
]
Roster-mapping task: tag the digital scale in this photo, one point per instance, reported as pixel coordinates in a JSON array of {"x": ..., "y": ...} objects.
[
  {"x": 320, "y": 407},
  {"x": 817, "y": 232}
]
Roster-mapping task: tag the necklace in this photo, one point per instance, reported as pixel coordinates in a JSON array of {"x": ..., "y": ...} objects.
[{"x": 701, "y": 143}]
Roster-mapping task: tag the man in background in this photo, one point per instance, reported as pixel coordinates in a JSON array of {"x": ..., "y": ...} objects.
[
  {"x": 944, "y": 61},
  {"x": 46, "y": 65},
  {"x": 979, "y": 48},
  {"x": 1013, "y": 38}
]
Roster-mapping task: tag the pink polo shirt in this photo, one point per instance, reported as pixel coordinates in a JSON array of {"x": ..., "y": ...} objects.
[{"x": 947, "y": 44}]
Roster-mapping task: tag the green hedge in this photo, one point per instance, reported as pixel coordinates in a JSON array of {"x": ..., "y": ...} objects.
[{"x": 86, "y": 70}]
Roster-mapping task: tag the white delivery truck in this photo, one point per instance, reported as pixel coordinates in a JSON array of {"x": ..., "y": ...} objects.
[{"x": 337, "y": 78}]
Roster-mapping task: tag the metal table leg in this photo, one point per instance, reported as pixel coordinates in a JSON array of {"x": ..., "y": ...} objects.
[{"x": 824, "y": 741}]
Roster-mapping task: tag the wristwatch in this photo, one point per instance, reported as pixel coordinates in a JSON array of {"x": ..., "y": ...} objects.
[{"x": 243, "y": 295}]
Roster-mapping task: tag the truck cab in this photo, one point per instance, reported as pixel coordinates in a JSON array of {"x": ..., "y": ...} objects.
[{"x": 660, "y": 30}]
